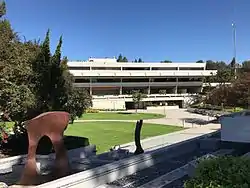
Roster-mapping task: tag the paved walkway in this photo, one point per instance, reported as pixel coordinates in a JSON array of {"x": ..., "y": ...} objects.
[
  {"x": 179, "y": 117},
  {"x": 173, "y": 138}
]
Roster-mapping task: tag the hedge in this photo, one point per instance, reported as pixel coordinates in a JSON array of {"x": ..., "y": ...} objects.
[
  {"x": 221, "y": 172},
  {"x": 17, "y": 144}
]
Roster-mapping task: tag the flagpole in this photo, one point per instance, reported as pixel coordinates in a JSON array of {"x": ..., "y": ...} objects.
[{"x": 234, "y": 43}]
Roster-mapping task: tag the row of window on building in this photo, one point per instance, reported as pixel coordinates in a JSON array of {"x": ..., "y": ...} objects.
[
  {"x": 135, "y": 68},
  {"x": 117, "y": 80}
]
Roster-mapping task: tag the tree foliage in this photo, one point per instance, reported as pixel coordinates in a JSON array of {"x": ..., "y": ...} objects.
[
  {"x": 16, "y": 93},
  {"x": 137, "y": 97},
  {"x": 237, "y": 94},
  {"x": 200, "y": 61},
  {"x": 54, "y": 84},
  {"x": 233, "y": 63},
  {"x": 246, "y": 66},
  {"x": 234, "y": 95},
  {"x": 166, "y": 61},
  {"x": 224, "y": 72},
  {"x": 138, "y": 61},
  {"x": 33, "y": 80},
  {"x": 122, "y": 59},
  {"x": 79, "y": 100},
  {"x": 218, "y": 65},
  {"x": 2, "y": 9}
]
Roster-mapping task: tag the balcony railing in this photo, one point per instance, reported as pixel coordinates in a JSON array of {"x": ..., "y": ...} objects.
[
  {"x": 153, "y": 73},
  {"x": 148, "y": 96},
  {"x": 138, "y": 84}
]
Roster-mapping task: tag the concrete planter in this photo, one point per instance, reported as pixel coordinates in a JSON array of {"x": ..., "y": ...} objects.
[
  {"x": 6, "y": 164},
  {"x": 235, "y": 127},
  {"x": 116, "y": 170}
]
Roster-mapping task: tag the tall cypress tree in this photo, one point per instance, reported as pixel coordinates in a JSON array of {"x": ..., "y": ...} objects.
[
  {"x": 46, "y": 47},
  {"x": 2, "y": 9},
  {"x": 233, "y": 67},
  {"x": 119, "y": 58},
  {"x": 57, "y": 81},
  {"x": 124, "y": 59},
  {"x": 57, "y": 56},
  {"x": 42, "y": 78}
]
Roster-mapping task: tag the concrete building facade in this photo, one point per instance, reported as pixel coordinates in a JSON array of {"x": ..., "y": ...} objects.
[{"x": 111, "y": 83}]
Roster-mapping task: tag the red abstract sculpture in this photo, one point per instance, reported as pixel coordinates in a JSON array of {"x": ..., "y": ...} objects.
[{"x": 51, "y": 124}]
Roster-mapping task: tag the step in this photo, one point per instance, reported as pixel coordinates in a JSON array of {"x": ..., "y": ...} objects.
[
  {"x": 182, "y": 171},
  {"x": 118, "y": 169},
  {"x": 164, "y": 166},
  {"x": 246, "y": 155}
]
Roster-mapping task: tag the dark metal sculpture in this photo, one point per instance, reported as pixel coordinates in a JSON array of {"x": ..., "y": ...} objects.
[
  {"x": 138, "y": 127},
  {"x": 51, "y": 124}
]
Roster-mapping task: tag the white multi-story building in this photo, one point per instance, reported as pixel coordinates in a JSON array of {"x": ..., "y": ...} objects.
[{"x": 111, "y": 83}]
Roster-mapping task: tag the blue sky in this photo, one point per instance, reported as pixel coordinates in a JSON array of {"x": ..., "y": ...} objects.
[{"x": 177, "y": 30}]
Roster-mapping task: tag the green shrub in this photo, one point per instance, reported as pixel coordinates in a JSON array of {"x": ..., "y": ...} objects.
[
  {"x": 237, "y": 109},
  {"x": 90, "y": 110},
  {"x": 219, "y": 108},
  {"x": 221, "y": 172},
  {"x": 3, "y": 128},
  {"x": 18, "y": 144}
]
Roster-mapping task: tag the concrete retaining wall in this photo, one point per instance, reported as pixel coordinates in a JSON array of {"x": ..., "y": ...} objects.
[
  {"x": 113, "y": 171},
  {"x": 235, "y": 129},
  {"x": 109, "y": 104},
  {"x": 6, "y": 164}
]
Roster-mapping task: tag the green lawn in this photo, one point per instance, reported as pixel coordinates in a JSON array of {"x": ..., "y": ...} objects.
[
  {"x": 119, "y": 116},
  {"x": 107, "y": 134}
]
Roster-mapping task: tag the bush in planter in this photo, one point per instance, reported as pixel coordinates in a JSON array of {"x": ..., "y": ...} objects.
[{"x": 221, "y": 172}]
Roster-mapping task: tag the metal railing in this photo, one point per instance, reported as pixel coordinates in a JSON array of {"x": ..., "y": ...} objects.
[{"x": 148, "y": 96}]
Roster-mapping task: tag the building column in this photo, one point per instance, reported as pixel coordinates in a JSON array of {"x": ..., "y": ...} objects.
[
  {"x": 149, "y": 91},
  {"x": 121, "y": 86},
  {"x": 90, "y": 86},
  {"x": 149, "y": 87},
  {"x": 176, "y": 87},
  {"x": 199, "y": 89}
]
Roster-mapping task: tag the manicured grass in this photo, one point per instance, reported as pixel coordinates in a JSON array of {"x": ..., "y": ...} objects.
[
  {"x": 119, "y": 116},
  {"x": 107, "y": 134}
]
